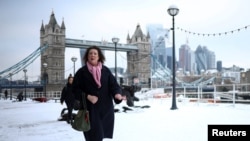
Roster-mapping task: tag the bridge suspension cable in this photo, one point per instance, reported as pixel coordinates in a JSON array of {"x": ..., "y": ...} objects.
[{"x": 23, "y": 63}]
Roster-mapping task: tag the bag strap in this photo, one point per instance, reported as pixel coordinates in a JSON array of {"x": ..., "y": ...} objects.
[{"x": 84, "y": 101}]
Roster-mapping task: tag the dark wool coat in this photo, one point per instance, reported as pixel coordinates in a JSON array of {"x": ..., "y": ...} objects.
[
  {"x": 67, "y": 95},
  {"x": 102, "y": 112}
]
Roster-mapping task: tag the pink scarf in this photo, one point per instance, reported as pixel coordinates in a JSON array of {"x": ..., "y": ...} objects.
[{"x": 96, "y": 72}]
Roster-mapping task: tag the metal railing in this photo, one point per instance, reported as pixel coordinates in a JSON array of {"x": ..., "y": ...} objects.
[
  {"x": 229, "y": 93},
  {"x": 50, "y": 95}
]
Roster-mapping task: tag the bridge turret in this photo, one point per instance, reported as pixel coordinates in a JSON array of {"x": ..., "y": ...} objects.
[
  {"x": 63, "y": 27},
  {"x": 42, "y": 30},
  {"x": 128, "y": 39},
  {"x": 148, "y": 37}
]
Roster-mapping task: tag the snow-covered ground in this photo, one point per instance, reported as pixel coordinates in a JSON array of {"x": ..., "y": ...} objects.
[{"x": 34, "y": 121}]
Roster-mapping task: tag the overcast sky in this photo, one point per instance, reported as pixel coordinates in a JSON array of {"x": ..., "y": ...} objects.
[{"x": 20, "y": 23}]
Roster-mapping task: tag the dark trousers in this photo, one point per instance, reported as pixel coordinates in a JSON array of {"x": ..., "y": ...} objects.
[{"x": 70, "y": 109}]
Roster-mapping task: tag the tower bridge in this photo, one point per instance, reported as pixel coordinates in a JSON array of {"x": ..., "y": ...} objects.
[
  {"x": 53, "y": 42},
  {"x": 52, "y": 66}
]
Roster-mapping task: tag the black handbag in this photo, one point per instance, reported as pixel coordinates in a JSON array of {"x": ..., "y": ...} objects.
[{"x": 81, "y": 121}]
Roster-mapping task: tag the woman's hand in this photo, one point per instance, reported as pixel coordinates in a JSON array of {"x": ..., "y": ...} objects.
[
  {"x": 120, "y": 97},
  {"x": 93, "y": 99}
]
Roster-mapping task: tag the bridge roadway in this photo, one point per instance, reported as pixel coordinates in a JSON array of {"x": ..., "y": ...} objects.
[{"x": 75, "y": 43}]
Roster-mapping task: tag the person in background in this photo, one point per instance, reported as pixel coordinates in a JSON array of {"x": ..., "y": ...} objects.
[
  {"x": 101, "y": 91},
  {"x": 67, "y": 96},
  {"x": 20, "y": 97},
  {"x": 5, "y": 94}
]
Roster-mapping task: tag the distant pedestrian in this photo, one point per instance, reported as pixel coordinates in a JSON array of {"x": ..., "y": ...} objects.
[
  {"x": 5, "y": 94},
  {"x": 68, "y": 96},
  {"x": 20, "y": 96}
]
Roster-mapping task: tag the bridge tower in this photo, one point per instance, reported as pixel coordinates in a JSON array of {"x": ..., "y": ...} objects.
[
  {"x": 139, "y": 62},
  {"x": 54, "y": 35}
]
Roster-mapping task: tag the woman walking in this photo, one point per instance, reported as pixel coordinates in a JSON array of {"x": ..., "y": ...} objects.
[
  {"x": 101, "y": 91},
  {"x": 67, "y": 96}
]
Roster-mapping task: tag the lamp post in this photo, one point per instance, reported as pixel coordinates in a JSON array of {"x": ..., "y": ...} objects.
[
  {"x": 243, "y": 75},
  {"x": 74, "y": 59},
  {"x": 173, "y": 11},
  {"x": 25, "y": 70},
  {"x": 10, "y": 85},
  {"x": 0, "y": 85},
  {"x": 45, "y": 77},
  {"x": 115, "y": 40}
]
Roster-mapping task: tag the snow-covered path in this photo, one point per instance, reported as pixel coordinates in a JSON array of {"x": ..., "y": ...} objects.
[{"x": 34, "y": 121}]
